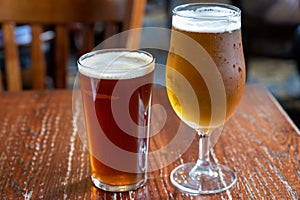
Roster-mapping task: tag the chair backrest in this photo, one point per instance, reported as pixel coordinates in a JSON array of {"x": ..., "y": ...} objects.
[{"x": 116, "y": 15}]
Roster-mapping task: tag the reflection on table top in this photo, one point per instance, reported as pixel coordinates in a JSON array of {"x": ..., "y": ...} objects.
[{"x": 42, "y": 157}]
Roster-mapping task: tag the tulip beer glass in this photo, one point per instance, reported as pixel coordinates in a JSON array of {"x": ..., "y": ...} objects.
[
  {"x": 205, "y": 79},
  {"x": 116, "y": 88}
]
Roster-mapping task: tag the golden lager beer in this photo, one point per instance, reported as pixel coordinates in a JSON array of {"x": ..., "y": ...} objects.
[
  {"x": 205, "y": 80},
  {"x": 222, "y": 42}
]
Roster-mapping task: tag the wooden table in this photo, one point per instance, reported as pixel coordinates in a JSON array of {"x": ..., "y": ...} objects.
[{"x": 42, "y": 157}]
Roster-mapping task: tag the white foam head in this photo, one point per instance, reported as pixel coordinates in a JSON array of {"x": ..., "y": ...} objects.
[
  {"x": 207, "y": 18},
  {"x": 116, "y": 64}
]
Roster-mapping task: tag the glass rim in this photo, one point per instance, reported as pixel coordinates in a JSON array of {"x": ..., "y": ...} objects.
[
  {"x": 96, "y": 52},
  {"x": 235, "y": 11}
]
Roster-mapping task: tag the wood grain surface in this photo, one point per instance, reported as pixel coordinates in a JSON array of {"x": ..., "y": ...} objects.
[{"x": 42, "y": 156}]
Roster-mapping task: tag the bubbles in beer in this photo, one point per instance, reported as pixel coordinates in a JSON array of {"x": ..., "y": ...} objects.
[
  {"x": 240, "y": 69},
  {"x": 228, "y": 20},
  {"x": 116, "y": 65}
]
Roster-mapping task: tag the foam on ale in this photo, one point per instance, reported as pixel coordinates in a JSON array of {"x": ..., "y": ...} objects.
[
  {"x": 116, "y": 65},
  {"x": 193, "y": 24}
]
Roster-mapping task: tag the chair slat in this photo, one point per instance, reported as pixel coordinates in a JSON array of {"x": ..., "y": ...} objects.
[
  {"x": 1, "y": 84},
  {"x": 61, "y": 55},
  {"x": 38, "y": 58},
  {"x": 12, "y": 63}
]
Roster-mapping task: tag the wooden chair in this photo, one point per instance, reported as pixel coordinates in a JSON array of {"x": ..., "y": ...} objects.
[{"x": 116, "y": 15}]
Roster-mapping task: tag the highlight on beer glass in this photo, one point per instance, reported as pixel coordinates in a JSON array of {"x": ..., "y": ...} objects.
[
  {"x": 215, "y": 70},
  {"x": 116, "y": 89}
]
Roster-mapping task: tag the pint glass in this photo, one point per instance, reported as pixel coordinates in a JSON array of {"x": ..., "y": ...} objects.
[{"x": 116, "y": 88}]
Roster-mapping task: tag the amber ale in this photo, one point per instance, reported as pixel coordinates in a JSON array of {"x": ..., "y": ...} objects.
[
  {"x": 221, "y": 40},
  {"x": 116, "y": 87}
]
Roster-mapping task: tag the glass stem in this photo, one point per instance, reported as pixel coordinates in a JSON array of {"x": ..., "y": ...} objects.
[{"x": 203, "y": 165}]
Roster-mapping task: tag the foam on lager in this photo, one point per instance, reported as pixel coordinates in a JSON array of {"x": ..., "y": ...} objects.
[
  {"x": 116, "y": 87},
  {"x": 220, "y": 36}
]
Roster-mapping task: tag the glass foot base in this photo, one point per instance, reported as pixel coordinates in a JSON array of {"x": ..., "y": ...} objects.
[
  {"x": 218, "y": 180},
  {"x": 117, "y": 188}
]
